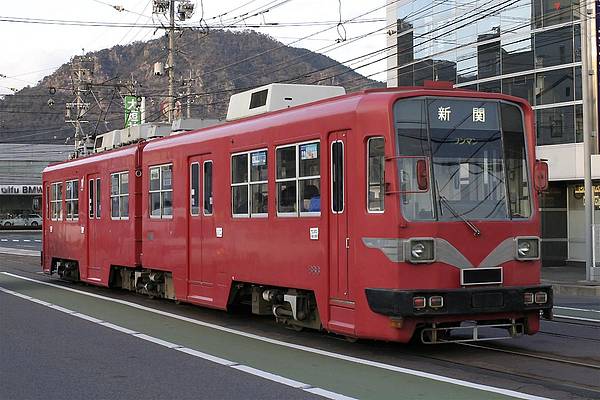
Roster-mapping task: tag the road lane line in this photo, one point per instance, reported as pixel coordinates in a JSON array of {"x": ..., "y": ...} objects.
[
  {"x": 576, "y": 309},
  {"x": 26, "y": 240},
  {"x": 243, "y": 368},
  {"x": 576, "y": 318},
  {"x": 3, "y": 240},
  {"x": 15, "y": 240},
  {"x": 272, "y": 377},
  {"x": 352, "y": 359},
  {"x": 38, "y": 240}
]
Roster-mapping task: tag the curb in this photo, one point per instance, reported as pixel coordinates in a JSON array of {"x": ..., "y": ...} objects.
[{"x": 576, "y": 290}]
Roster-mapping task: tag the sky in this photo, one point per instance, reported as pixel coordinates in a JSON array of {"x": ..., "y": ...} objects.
[{"x": 31, "y": 51}]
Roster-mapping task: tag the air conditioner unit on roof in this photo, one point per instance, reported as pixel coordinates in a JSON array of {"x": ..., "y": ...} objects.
[{"x": 277, "y": 96}]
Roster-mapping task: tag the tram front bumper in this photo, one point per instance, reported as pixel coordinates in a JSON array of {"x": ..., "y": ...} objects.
[{"x": 464, "y": 301}]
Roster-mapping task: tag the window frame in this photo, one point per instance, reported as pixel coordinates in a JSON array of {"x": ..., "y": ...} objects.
[
  {"x": 196, "y": 214},
  {"x": 119, "y": 195},
  {"x": 72, "y": 200},
  {"x": 341, "y": 211},
  {"x": 211, "y": 201},
  {"x": 98, "y": 202},
  {"x": 369, "y": 210},
  {"x": 91, "y": 201},
  {"x": 297, "y": 178},
  {"x": 248, "y": 183},
  {"x": 160, "y": 191},
  {"x": 58, "y": 215}
]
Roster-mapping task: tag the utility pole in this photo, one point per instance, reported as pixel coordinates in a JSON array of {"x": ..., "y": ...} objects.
[
  {"x": 170, "y": 61},
  {"x": 81, "y": 71},
  {"x": 588, "y": 72},
  {"x": 185, "y": 9}
]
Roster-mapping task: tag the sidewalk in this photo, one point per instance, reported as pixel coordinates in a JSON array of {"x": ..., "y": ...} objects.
[{"x": 570, "y": 280}]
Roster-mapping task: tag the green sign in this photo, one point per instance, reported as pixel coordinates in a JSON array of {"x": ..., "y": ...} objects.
[{"x": 133, "y": 110}]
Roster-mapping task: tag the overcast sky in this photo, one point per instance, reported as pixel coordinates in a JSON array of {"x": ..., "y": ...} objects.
[{"x": 31, "y": 51}]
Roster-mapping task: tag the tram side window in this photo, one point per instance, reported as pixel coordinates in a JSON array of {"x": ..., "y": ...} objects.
[
  {"x": 119, "y": 195},
  {"x": 98, "y": 199},
  {"x": 375, "y": 174},
  {"x": 208, "y": 191},
  {"x": 298, "y": 179},
  {"x": 56, "y": 201},
  {"x": 412, "y": 145},
  {"x": 91, "y": 198},
  {"x": 195, "y": 189},
  {"x": 72, "y": 200},
  {"x": 161, "y": 191},
  {"x": 249, "y": 194}
]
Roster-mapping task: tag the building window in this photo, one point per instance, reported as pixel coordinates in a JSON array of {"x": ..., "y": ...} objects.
[
  {"x": 72, "y": 200},
  {"x": 375, "y": 174},
  {"x": 519, "y": 86},
  {"x": 554, "y": 86},
  {"x": 555, "y": 125},
  {"x": 56, "y": 201},
  {"x": 249, "y": 189},
  {"x": 161, "y": 191},
  {"x": 298, "y": 179},
  {"x": 554, "y": 47},
  {"x": 119, "y": 195},
  {"x": 207, "y": 199}
]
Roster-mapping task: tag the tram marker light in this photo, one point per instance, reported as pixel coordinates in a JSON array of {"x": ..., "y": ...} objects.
[
  {"x": 436, "y": 302},
  {"x": 528, "y": 298},
  {"x": 541, "y": 297},
  {"x": 419, "y": 302}
]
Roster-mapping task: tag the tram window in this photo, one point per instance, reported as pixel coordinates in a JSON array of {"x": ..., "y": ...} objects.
[
  {"x": 249, "y": 189},
  {"x": 56, "y": 201},
  {"x": 375, "y": 174},
  {"x": 48, "y": 214},
  {"x": 298, "y": 179},
  {"x": 119, "y": 195},
  {"x": 208, "y": 192},
  {"x": 72, "y": 200},
  {"x": 161, "y": 191},
  {"x": 91, "y": 198},
  {"x": 195, "y": 188},
  {"x": 98, "y": 199},
  {"x": 337, "y": 177}
]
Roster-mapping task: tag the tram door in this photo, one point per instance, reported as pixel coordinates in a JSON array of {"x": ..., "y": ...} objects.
[
  {"x": 94, "y": 190},
  {"x": 339, "y": 241},
  {"x": 201, "y": 230}
]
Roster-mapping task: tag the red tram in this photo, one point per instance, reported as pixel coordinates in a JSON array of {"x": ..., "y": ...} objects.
[{"x": 371, "y": 215}]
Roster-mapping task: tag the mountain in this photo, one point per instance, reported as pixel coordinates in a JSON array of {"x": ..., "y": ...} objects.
[{"x": 223, "y": 63}]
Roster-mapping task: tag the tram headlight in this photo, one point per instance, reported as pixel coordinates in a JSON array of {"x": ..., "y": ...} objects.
[
  {"x": 528, "y": 248},
  {"x": 421, "y": 250}
]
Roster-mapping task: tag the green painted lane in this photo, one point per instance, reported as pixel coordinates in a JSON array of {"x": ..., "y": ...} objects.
[{"x": 337, "y": 375}]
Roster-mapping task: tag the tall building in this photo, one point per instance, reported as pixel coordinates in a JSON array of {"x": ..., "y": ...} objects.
[{"x": 525, "y": 48}]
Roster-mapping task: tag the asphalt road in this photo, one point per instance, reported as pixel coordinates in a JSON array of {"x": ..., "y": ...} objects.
[
  {"x": 30, "y": 240},
  {"x": 61, "y": 344}
]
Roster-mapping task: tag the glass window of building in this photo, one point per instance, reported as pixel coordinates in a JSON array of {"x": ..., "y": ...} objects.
[
  {"x": 517, "y": 54},
  {"x": 578, "y": 83},
  {"x": 554, "y": 47},
  {"x": 488, "y": 56},
  {"x": 490, "y": 87},
  {"x": 554, "y": 86},
  {"x": 519, "y": 86},
  {"x": 555, "y": 125},
  {"x": 579, "y": 123}
]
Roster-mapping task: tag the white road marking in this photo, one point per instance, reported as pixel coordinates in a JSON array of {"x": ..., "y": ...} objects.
[
  {"x": 38, "y": 240},
  {"x": 576, "y": 309},
  {"x": 243, "y": 368},
  {"x": 3, "y": 240},
  {"x": 576, "y": 318},
  {"x": 19, "y": 252},
  {"x": 15, "y": 240},
  {"x": 356, "y": 360},
  {"x": 26, "y": 240}
]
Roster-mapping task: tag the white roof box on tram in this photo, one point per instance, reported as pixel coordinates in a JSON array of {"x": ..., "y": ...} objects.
[{"x": 277, "y": 96}]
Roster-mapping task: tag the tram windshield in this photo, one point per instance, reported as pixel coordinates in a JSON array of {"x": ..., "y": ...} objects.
[{"x": 477, "y": 153}]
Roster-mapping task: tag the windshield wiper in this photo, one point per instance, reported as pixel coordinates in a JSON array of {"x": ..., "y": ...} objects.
[{"x": 471, "y": 225}]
